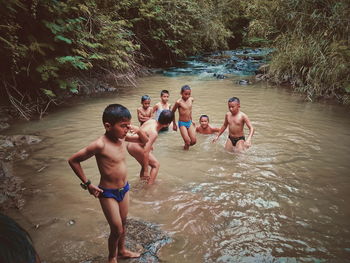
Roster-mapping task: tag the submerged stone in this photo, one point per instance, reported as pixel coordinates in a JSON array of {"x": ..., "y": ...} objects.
[{"x": 149, "y": 236}]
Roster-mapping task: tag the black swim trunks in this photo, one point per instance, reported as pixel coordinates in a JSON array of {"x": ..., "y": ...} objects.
[{"x": 234, "y": 140}]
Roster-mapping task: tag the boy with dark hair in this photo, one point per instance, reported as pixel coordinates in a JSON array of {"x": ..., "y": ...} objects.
[
  {"x": 112, "y": 191},
  {"x": 162, "y": 105},
  {"x": 235, "y": 120},
  {"x": 205, "y": 127},
  {"x": 143, "y": 154},
  {"x": 15, "y": 243},
  {"x": 184, "y": 104},
  {"x": 144, "y": 113}
]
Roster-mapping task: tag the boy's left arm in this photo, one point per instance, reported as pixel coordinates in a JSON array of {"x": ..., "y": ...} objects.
[
  {"x": 176, "y": 105},
  {"x": 251, "y": 131},
  {"x": 147, "y": 149},
  {"x": 139, "y": 135}
]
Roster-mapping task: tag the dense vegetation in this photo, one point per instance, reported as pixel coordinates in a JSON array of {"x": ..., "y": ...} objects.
[
  {"x": 313, "y": 44},
  {"x": 49, "y": 47}
]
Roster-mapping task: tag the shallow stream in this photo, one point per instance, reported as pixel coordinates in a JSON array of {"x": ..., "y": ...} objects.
[{"x": 284, "y": 200}]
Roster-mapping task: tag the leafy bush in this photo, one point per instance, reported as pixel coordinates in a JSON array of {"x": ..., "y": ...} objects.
[{"x": 312, "y": 40}]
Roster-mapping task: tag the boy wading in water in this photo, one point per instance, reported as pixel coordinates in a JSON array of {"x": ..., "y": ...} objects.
[
  {"x": 235, "y": 120},
  {"x": 144, "y": 113},
  {"x": 205, "y": 127},
  {"x": 187, "y": 130},
  {"x": 113, "y": 189},
  {"x": 162, "y": 105},
  {"x": 143, "y": 154}
]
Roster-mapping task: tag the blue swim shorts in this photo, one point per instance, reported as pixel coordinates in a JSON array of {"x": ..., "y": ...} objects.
[
  {"x": 117, "y": 193},
  {"x": 187, "y": 124}
]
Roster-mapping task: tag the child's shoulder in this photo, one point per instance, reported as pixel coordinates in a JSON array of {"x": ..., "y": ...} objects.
[{"x": 99, "y": 143}]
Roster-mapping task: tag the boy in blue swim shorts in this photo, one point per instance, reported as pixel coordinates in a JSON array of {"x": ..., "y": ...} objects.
[
  {"x": 184, "y": 105},
  {"x": 112, "y": 191}
]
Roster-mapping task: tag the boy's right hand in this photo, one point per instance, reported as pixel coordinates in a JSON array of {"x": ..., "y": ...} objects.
[
  {"x": 94, "y": 190},
  {"x": 215, "y": 139},
  {"x": 174, "y": 127},
  {"x": 134, "y": 129}
]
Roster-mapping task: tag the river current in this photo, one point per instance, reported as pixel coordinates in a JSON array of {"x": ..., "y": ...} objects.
[{"x": 286, "y": 199}]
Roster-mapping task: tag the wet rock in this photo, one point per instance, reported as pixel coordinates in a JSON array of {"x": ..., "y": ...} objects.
[
  {"x": 71, "y": 222},
  {"x": 10, "y": 188},
  {"x": 4, "y": 125},
  {"x": 5, "y": 142},
  {"x": 243, "y": 82},
  {"x": 219, "y": 76},
  {"x": 149, "y": 236},
  {"x": 19, "y": 140},
  {"x": 11, "y": 148}
]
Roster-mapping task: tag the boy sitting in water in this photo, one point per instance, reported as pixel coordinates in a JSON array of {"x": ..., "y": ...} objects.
[
  {"x": 143, "y": 154},
  {"x": 162, "y": 105},
  {"x": 184, "y": 104},
  {"x": 204, "y": 127},
  {"x": 235, "y": 120},
  {"x": 112, "y": 191},
  {"x": 144, "y": 113}
]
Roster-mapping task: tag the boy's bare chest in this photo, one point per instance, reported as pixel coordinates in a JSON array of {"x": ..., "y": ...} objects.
[
  {"x": 146, "y": 112},
  {"x": 185, "y": 105},
  {"x": 114, "y": 152},
  {"x": 235, "y": 120}
]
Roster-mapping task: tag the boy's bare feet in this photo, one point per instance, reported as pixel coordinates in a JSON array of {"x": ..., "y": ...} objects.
[
  {"x": 128, "y": 254},
  {"x": 112, "y": 260}
]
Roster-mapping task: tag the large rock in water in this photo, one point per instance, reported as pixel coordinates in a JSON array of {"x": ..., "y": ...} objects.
[
  {"x": 149, "y": 236},
  {"x": 141, "y": 236}
]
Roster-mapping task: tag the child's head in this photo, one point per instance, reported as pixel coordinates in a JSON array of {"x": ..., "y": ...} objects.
[
  {"x": 116, "y": 119},
  {"x": 165, "y": 117},
  {"x": 164, "y": 95},
  {"x": 185, "y": 92},
  {"x": 234, "y": 105},
  {"x": 145, "y": 101},
  {"x": 204, "y": 121},
  {"x": 16, "y": 244}
]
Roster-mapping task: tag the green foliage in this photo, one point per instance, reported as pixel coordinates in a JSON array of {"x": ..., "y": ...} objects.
[{"x": 312, "y": 39}]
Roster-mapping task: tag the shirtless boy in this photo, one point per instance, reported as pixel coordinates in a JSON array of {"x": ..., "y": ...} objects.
[
  {"x": 143, "y": 154},
  {"x": 144, "y": 113},
  {"x": 184, "y": 104},
  {"x": 235, "y": 120},
  {"x": 112, "y": 190},
  {"x": 205, "y": 127},
  {"x": 162, "y": 105}
]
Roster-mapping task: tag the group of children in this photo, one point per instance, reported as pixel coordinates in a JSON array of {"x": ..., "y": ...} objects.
[{"x": 120, "y": 136}]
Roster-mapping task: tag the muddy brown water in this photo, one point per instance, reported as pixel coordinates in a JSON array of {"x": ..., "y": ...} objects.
[{"x": 285, "y": 200}]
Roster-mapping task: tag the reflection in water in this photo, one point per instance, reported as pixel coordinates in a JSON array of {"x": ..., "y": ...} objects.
[{"x": 284, "y": 200}]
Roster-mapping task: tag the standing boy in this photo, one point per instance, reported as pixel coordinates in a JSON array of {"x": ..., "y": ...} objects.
[
  {"x": 205, "y": 127},
  {"x": 235, "y": 120},
  {"x": 184, "y": 104},
  {"x": 144, "y": 113},
  {"x": 112, "y": 191},
  {"x": 162, "y": 105},
  {"x": 143, "y": 154}
]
